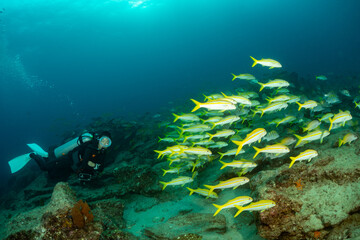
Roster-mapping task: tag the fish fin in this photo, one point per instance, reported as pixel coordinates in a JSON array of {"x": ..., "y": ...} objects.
[
  {"x": 300, "y": 106},
  {"x": 165, "y": 184},
  {"x": 257, "y": 151},
  {"x": 219, "y": 208},
  {"x": 240, "y": 209},
  {"x": 159, "y": 152},
  {"x": 234, "y": 77},
  {"x": 224, "y": 164},
  {"x": 211, "y": 136},
  {"x": 299, "y": 141},
  {"x": 271, "y": 67},
  {"x": 176, "y": 117},
  {"x": 197, "y": 105},
  {"x": 341, "y": 142},
  {"x": 293, "y": 159},
  {"x": 191, "y": 191},
  {"x": 240, "y": 144},
  {"x": 211, "y": 188},
  {"x": 331, "y": 123},
  {"x": 221, "y": 154},
  {"x": 255, "y": 61},
  {"x": 165, "y": 171},
  {"x": 262, "y": 86}
]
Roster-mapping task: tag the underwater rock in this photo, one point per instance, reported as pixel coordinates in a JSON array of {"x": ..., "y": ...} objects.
[
  {"x": 321, "y": 198},
  {"x": 195, "y": 223},
  {"x": 56, "y": 219},
  {"x": 137, "y": 179}
]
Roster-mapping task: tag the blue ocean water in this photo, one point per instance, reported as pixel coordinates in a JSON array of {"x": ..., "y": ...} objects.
[{"x": 66, "y": 62}]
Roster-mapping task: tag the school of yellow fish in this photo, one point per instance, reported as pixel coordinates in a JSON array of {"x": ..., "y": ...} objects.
[{"x": 202, "y": 135}]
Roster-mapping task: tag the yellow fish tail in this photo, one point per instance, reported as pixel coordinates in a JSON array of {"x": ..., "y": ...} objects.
[
  {"x": 159, "y": 152},
  {"x": 240, "y": 144},
  {"x": 165, "y": 184},
  {"x": 176, "y": 117},
  {"x": 258, "y": 150},
  {"x": 211, "y": 188},
  {"x": 341, "y": 142},
  {"x": 293, "y": 159},
  {"x": 191, "y": 191},
  {"x": 331, "y": 123},
  {"x": 219, "y": 208},
  {"x": 234, "y": 77},
  {"x": 197, "y": 105},
  {"x": 300, "y": 106},
  {"x": 221, "y": 155},
  {"x": 299, "y": 141},
  {"x": 262, "y": 86},
  {"x": 255, "y": 61},
  {"x": 165, "y": 171},
  {"x": 240, "y": 210},
  {"x": 224, "y": 164}
]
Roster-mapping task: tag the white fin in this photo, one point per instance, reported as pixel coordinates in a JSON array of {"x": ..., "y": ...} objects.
[{"x": 37, "y": 149}]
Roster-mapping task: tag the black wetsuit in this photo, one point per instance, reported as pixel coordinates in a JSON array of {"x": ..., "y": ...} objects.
[{"x": 76, "y": 161}]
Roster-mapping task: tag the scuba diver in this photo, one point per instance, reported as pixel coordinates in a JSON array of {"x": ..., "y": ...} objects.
[{"x": 83, "y": 155}]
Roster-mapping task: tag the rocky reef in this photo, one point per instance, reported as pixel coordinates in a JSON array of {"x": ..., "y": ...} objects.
[{"x": 317, "y": 200}]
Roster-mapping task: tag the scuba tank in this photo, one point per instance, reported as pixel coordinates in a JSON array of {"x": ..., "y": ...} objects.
[{"x": 69, "y": 146}]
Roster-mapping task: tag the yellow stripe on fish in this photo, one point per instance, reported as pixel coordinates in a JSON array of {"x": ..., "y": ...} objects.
[
  {"x": 254, "y": 136},
  {"x": 231, "y": 183},
  {"x": 238, "y": 201},
  {"x": 256, "y": 206},
  {"x": 276, "y": 148},
  {"x": 214, "y": 105},
  {"x": 306, "y": 155},
  {"x": 266, "y": 62}
]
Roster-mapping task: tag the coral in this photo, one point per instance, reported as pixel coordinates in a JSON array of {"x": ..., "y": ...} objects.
[{"x": 81, "y": 214}]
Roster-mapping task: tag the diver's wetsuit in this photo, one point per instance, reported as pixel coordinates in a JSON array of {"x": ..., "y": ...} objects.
[{"x": 76, "y": 160}]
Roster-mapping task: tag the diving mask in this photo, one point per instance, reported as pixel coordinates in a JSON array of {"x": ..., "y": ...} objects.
[{"x": 105, "y": 142}]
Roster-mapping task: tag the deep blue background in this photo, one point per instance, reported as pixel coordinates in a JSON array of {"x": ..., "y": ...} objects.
[{"x": 92, "y": 57}]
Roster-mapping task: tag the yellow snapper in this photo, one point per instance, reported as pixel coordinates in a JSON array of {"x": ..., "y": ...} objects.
[
  {"x": 196, "y": 151},
  {"x": 238, "y": 201},
  {"x": 256, "y": 206},
  {"x": 231, "y": 183},
  {"x": 229, "y": 153},
  {"x": 341, "y": 117},
  {"x": 276, "y": 83},
  {"x": 306, "y": 155},
  {"x": 226, "y": 120},
  {"x": 266, "y": 62},
  {"x": 222, "y": 133},
  {"x": 254, "y": 136},
  {"x": 280, "y": 98},
  {"x": 202, "y": 192},
  {"x": 186, "y": 117},
  {"x": 214, "y": 105},
  {"x": 195, "y": 129},
  {"x": 312, "y": 136},
  {"x": 326, "y": 117},
  {"x": 238, "y": 99},
  {"x": 311, "y": 125},
  {"x": 277, "y": 106},
  {"x": 308, "y": 104},
  {"x": 348, "y": 138},
  {"x": 238, "y": 164},
  {"x": 276, "y": 148},
  {"x": 177, "y": 181},
  {"x": 243, "y": 76}
]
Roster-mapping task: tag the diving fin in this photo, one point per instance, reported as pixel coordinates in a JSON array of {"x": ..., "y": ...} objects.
[
  {"x": 38, "y": 150},
  {"x": 19, "y": 162}
]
